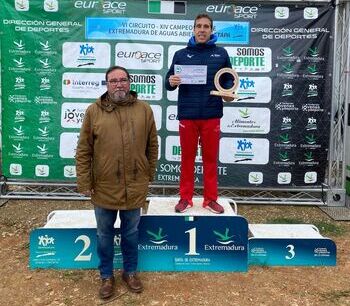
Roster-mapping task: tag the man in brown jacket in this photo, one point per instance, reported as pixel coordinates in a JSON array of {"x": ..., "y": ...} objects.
[{"x": 116, "y": 159}]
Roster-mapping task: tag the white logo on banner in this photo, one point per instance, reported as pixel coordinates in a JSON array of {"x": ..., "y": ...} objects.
[
  {"x": 171, "y": 51},
  {"x": 250, "y": 59},
  {"x": 68, "y": 144},
  {"x": 310, "y": 13},
  {"x": 86, "y": 55},
  {"x": 83, "y": 85},
  {"x": 69, "y": 171},
  {"x": 72, "y": 114},
  {"x": 310, "y": 177},
  {"x": 159, "y": 147},
  {"x": 253, "y": 151},
  {"x": 172, "y": 123},
  {"x": 244, "y": 120},
  {"x": 254, "y": 89},
  {"x": 149, "y": 87},
  {"x": 173, "y": 95},
  {"x": 15, "y": 169},
  {"x": 139, "y": 56},
  {"x": 51, "y": 5},
  {"x": 173, "y": 149},
  {"x": 22, "y": 5},
  {"x": 284, "y": 178},
  {"x": 255, "y": 178},
  {"x": 157, "y": 114},
  {"x": 281, "y": 12},
  {"x": 42, "y": 170}
]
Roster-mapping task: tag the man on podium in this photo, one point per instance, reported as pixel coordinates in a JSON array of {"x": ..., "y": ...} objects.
[
  {"x": 193, "y": 70},
  {"x": 116, "y": 159}
]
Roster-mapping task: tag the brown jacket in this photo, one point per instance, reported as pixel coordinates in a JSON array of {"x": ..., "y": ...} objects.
[{"x": 117, "y": 152}]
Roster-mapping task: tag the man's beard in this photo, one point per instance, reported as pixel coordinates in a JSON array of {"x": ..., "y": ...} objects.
[{"x": 117, "y": 95}]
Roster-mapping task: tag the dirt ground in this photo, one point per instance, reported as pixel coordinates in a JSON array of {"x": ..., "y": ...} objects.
[{"x": 259, "y": 286}]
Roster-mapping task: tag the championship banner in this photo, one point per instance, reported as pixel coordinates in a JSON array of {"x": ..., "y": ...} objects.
[{"x": 54, "y": 55}]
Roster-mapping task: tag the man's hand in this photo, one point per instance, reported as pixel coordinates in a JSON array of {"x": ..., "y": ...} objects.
[
  {"x": 88, "y": 193},
  {"x": 174, "y": 80}
]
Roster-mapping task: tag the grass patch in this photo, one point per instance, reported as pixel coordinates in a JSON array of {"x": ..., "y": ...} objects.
[
  {"x": 283, "y": 220},
  {"x": 328, "y": 228},
  {"x": 335, "y": 296}
]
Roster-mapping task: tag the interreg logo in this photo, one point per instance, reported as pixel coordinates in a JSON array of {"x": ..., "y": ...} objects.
[
  {"x": 19, "y": 45},
  {"x": 19, "y": 83},
  {"x": 45, "y": 46},
  {"x": 244, "y": 113},
  {"x": 283, "y": 156},
  {"x": 310, "y": 177},
  {"x": 310, "y": 13},
  {"x": 288, "y": 52},
  {"x": 286, "y": 123},
  {"x": 313, "y": 91},
  {"x": 19, "y": 116},
  {"x": 311, "y": 124},
  {"x": 308, "y": 156},
  {"x": 310, "y": 139},
  {"x": 281, "y": 12},
  {"x": 44, "y": 116},
  {"x": 287, "y": 90},
  {"x": 284, "y": 138},
  {"x": 22, "y": 5},
  {"x": 51, "y": 5},
  {"x": 46, "y": 241},
  {"x": 19, "y": 62}
]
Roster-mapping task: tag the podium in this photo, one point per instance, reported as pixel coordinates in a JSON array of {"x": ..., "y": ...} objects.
[{"x": 196, "y": 240}]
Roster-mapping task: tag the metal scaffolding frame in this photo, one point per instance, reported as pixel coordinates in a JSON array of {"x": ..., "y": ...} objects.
[{"x": 331, "y": 193}]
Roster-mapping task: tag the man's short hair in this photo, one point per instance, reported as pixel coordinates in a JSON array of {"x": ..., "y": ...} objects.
[
  {"x": 116, "y": 68},
  {"x": 204, "y": 16}
]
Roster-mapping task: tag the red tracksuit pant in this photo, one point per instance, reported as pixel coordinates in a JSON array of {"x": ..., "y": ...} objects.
[{"x": 207, "y": 132}]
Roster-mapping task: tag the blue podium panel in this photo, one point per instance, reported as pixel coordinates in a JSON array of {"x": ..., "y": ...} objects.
[
  {"x": 292, "y": 252},
  {"x": 193, "y": 243},
  {"x": 67, "y": 248}
]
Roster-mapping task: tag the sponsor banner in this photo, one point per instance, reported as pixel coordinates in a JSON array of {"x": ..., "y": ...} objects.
[
  {"x": 171, "y": 51},
  {"x": 72, "y": 114},
  {"x": 246, "y": 120},
  {"x": 172, "y": 122},
  {"x": 86, "y": 55},
  {"x": 139, "y": 56},
  {"x": 83, "y": 85},
  {"x": 149, "y": 87},
  {"x": 157, "y": 113},
  {"x": 229, "y": 32},
  {"x": 250, "y": 59},
  {"x": 173, "y": 149},
  {"x": 68, "y": 144},
  {"x": 254, "y": 89},
  {"x": 244, "y": 151}
]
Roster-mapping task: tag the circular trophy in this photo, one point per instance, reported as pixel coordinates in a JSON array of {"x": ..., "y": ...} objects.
[{"x": 229, "y": 92}]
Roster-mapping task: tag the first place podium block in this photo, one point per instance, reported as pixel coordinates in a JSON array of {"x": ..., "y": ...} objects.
[{"x": 197, "y": 240}]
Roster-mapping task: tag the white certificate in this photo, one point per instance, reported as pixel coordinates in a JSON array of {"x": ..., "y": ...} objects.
[{"x": 192, "y": 74}]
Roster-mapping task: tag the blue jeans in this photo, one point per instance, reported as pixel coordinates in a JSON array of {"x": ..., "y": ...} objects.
[{"x": 129, "y": 221}]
